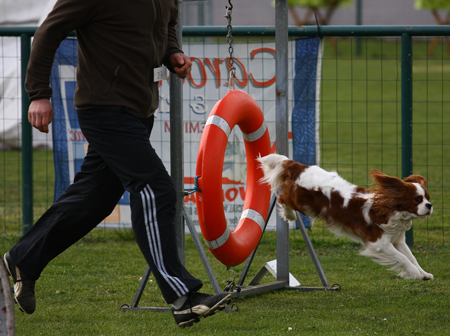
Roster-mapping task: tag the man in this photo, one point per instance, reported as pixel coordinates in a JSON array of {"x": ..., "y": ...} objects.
[{"x": 119, "y": 47}]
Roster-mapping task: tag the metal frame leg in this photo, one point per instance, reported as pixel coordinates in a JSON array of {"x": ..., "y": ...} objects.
[
  {"x": 203, "y": 257},
  {"x": 312, "y": 251},
  {"x": 201, "y": 252},
  {"x": 249, "y": 261}
]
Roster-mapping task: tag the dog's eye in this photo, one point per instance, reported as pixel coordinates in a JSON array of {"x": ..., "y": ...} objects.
[{"x": 418, "y": 199}]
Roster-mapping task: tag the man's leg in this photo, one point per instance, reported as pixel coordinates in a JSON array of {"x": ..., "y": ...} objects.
[
  {"x": 84, "y": 204},
  {"x": 122, "y": 139}
]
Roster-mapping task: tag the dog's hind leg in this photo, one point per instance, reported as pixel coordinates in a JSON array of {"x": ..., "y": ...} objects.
[
  {"x": 403, "y": 248},
  {"x": 384, "y": 253}
]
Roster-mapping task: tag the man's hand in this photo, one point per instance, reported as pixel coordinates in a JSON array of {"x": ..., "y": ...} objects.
[
  {"x": 181, "y": 64},
  {"x": 40, "y": 114}
]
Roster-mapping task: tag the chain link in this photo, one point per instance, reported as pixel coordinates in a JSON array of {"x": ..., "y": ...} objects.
[
  {"x": 232, "y": 70},
  {"x": 231, "y": 285}
]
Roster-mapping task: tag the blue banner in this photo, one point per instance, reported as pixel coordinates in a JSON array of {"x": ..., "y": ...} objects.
[
  {"x": 306, "y": 108},
  {"x": 63, "y": 84}
]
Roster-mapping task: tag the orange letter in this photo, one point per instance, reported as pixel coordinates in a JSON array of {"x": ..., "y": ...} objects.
[
  {"x": 215, "y": 69},
  {"x": 270, "y": 81},
  {"x": 202, "y": 73}
]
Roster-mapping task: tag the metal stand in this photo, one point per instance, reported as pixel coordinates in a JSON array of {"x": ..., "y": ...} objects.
[
  {"x": 271, "y": 266},
  {"x": 203, "y": 257},
  {"x": 274, "y": 265},
  {"x": 253, "y": 287},
  {"x": 281, "y": 272},
  {"x": 293, "y": 284}
]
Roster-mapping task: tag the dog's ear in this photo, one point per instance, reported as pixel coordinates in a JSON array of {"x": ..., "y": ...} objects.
[
  {"x": 386, "y": 181},
  {"x": 416, "y": 179}
]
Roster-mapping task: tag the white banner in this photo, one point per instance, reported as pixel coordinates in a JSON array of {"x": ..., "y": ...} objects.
[{"x": 207, "y": 83}]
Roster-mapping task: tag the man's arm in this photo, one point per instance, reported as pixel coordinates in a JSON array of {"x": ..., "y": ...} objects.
[
  {"x": 65, "y": 17},
  {"x": 173, "y": 46}
]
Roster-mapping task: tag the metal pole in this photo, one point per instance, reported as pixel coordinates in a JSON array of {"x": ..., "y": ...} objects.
[
  {"x": 281, "y": 86},
  {"x": 201, "y": 252},
  {"x": 407, "y": 105},
  {"x": 249, "y": 261},
  {"x": 312, "y": 251},
  {"x": 348, "y": 31},
  {"x": 210, "y": 12},
  {"x": 358, "y": 23},
  {"x": 176, "y": 147},
  {"x": 201, "y": 13},
  {"x": 27, "y": 141},
  {"x": 304, "y": 31}
]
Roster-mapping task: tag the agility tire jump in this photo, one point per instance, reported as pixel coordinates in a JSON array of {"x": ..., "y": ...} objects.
[{"x": 232, "y": 248}]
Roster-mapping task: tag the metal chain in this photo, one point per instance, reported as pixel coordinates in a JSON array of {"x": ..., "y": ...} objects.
[
  {"x": 231, "y": 285},
  {"x": 232, "y": 70}
]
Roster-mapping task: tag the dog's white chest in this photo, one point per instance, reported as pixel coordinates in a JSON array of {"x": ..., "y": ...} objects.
[{"x": 399, "y": 222}]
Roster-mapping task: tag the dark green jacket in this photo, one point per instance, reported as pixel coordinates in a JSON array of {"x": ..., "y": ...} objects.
[{"x": 120, "y": 42}]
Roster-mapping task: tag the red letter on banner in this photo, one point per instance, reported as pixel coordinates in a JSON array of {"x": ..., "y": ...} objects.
[
  {"x": 202, "y": 73},
  {"x": 215, "y": 69},
  {"x": 270, "y": 81}
]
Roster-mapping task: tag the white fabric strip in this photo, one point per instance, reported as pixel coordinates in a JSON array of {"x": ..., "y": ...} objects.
[
  {"x": 256, "y": 134},
  {"x": 318, "y": 82},
  {"x": 219, "y": 122},
  {"x": 255, "y": 216},
  {"x": 154, "y": 241},
  {"x": 214, "y": 244}
]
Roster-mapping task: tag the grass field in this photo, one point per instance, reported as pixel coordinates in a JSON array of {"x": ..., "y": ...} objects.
[{"x": 81, "y": 291}]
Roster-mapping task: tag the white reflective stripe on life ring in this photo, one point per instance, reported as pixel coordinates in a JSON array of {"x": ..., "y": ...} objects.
[
  {"x": 214, "y": 244},
  {"x": 256, "y": 134},
  {"x": 219, "y": 122},
  {"x": 255, "y": 216}
]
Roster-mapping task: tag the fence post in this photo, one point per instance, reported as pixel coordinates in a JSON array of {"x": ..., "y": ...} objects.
[
  {"x": 176, "y": 148},
  {"x": 358, "y": 23},
  {"x": 27, "y": 141},
  {"x": 407, "y": 105},
  {"x": 281, "y": 64}
]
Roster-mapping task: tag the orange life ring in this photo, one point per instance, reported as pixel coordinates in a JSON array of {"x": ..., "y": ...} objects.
[{"x": 232, "y": 248}]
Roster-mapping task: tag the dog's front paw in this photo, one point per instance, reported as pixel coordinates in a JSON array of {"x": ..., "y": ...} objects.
[
  {"x": 427, "y": 276},
  {"x": 411, "y": 275},
  {"x": 287, "y": 214}
]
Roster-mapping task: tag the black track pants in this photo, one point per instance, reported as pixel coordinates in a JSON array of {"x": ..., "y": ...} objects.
[{"x": 119, "y": 157}]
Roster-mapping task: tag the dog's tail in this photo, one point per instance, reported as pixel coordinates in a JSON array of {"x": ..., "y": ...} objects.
[{"x": 272, "y": 166}]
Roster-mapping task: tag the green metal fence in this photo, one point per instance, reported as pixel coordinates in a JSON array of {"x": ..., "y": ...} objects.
[{"x": 383, "y": 105}]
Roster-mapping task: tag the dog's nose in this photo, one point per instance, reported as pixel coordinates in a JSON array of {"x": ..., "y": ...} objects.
[{"x": 429, "y": 206}]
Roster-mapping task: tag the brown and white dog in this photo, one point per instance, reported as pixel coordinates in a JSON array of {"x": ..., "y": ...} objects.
[{"x": 377, "y": 218}]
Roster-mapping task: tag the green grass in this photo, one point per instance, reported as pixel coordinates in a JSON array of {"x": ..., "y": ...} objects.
[
  {"x": 81, "y": 291},
  {"x": 11, "y": 188}
]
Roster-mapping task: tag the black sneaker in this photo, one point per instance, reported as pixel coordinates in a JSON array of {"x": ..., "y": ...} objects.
[
  {"x": 199, "y": 305},
  {"x": 23, "y": 288}
]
